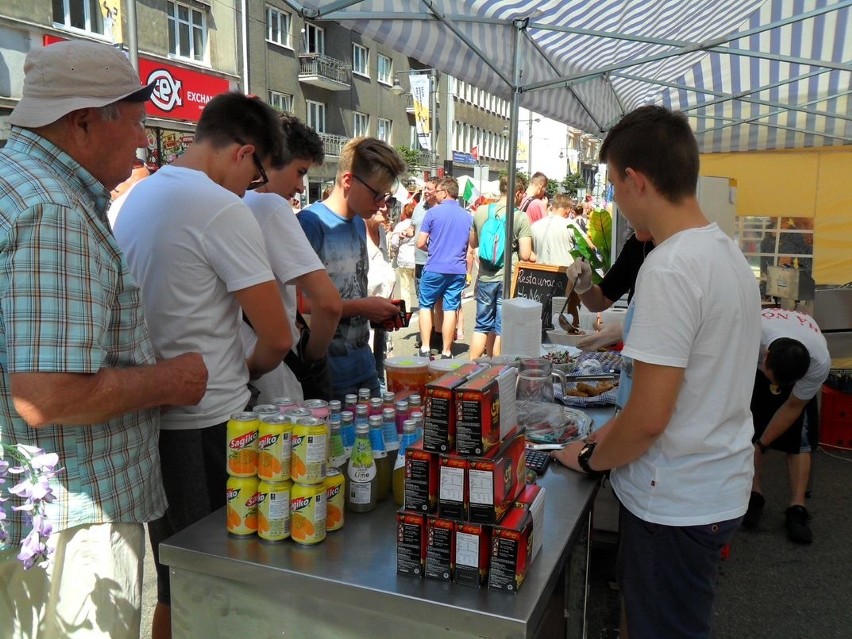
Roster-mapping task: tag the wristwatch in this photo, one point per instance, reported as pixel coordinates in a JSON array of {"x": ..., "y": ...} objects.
[
  {"x": 583, "y": 460},
  {"x": 761, "y": 446}
]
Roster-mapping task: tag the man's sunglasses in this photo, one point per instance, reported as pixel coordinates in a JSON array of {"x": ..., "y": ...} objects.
[
  {"x": 258, "y": 181},
  {"x": 378, "y": 197}
]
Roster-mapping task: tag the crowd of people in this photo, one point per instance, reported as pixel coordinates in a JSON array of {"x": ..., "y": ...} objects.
[{"x": 131, "y": 331}]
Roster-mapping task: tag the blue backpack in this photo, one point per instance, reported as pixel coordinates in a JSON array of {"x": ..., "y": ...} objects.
[{"x": 492, "y": 239}]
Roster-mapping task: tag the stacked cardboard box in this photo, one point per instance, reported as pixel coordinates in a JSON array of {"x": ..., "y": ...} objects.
[{"x": 467, "y": 509}]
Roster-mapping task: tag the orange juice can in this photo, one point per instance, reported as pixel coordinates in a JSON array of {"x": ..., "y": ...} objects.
[
  {"x": 335, "y": 498},
  {"x": 307, "y": 513},
  {"x": 241, "y": 506},
  {"x": 242, "y": 445},
  {"x": 273, "y": 510},
  {"x": 274, "y": 447},
  {"x": 310, "y": 451}
]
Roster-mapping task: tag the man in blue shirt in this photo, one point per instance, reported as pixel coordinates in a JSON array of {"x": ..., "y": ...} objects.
[
  {"x": 445, "y": 233},
  {"x": 336, "y": 230}
]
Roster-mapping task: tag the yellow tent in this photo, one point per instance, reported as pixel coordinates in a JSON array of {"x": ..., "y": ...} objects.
[{"x": 812, "y": 183}]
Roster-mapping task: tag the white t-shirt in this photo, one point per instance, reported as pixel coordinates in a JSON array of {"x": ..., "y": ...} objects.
[
  {"x": 777, "y": 323},
  {"x": 291, "y": 256},
  {"x": 191, "y": 244},
  {"x": 552, "y": 240},
  {"x": 697, "y": 307}
]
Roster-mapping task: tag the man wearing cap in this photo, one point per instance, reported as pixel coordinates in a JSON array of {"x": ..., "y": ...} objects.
[
  {"x": 200, "y": 256},
  {"x": 78, "y": 376}
]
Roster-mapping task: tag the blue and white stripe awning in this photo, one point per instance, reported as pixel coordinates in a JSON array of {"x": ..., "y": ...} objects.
[{"x": 750, "y": 74}]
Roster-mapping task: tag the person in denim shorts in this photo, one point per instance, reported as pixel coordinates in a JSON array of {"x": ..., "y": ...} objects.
[{"x": 489, "y": 283}]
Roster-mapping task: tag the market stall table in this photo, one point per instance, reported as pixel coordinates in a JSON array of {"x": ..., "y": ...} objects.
[{"x": 347, "y": 586}]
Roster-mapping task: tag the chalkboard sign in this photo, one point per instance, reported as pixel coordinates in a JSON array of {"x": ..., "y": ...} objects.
[{"x": 540, "y": 282}]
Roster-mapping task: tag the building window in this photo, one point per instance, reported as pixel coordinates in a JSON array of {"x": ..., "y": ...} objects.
[
  {"x": 776, "y": 241},
  {"x": 360, "y": 60},
  {"x": 313, "y": 39},
  {"x": 316, "y": 116},
  {"x": 385, "y": 70},
  {"x": 360, "y": 124},
  {"x": 278, "y": 27},
  {"x": 187, "y": 31},
  {"x": 384, "y": 130},
  {"x": 281, "y": 101},
  {"x": 86, "y": 15}
]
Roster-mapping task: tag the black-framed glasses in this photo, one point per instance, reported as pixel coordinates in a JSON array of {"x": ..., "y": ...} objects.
[
  {"x": 258, "y": 181},
  {"x": 378, "y": 197}
]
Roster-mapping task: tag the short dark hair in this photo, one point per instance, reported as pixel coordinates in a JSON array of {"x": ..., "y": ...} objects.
[
  {"x": 659, "y": 144},
  {"x": 231, "y": 116},
  {"x": 302, "y": 141},
  {"x": 788, "y": 359}
]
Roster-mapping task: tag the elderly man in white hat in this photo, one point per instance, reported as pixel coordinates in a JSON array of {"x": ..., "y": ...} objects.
[{"x": 78, "y": 376}]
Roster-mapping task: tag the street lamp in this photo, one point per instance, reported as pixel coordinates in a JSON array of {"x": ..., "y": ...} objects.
[{"x": 397, "y": 89}]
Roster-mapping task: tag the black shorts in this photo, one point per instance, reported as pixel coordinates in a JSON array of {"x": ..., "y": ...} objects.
[
  {"x": 194, "y": 477},
  {"x": 764, "y": 404}
]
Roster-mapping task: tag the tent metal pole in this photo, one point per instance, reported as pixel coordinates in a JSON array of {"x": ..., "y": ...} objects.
[{"x": 519, "y": 26}]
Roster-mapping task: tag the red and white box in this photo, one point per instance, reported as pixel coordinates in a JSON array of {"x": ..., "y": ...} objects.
[
  {"x": 421, "y": 479},
  {"x": 452, "y": 496},
  {"x": 495, "y": 481},
  {"x": 473, "y": 554},
  {"x": 440, "y": 548},
  {"x": 410, "y": 543}
]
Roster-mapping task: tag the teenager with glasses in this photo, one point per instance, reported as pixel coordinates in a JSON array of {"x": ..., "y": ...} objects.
[
  {"x": 198, "y": 254},
  {"x": 366, "y": 172}
]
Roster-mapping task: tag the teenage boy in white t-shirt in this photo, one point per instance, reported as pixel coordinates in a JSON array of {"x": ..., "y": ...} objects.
[
  {"x": 199, "y": 256},
  {"x": 295, "y": 263},
  {"x": 680, "y": 450}
]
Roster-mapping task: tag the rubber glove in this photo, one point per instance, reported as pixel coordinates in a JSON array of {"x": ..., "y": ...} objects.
[
  {"x": 610, "y": 333},
  {"x": 580, "y": 268}
]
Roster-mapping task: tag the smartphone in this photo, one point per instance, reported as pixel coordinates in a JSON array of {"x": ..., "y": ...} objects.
[{"x": 400, "y": 320}]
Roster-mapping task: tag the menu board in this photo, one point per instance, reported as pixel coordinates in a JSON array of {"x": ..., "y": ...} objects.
[{"x": 540, "y": 282}]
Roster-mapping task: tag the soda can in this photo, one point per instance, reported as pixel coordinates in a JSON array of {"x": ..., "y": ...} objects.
[
  {"x": 273, "y": 510},
  {"x": 262, "y": 410},
  {"x": 274, "y": 435},
  {"x": 242, "y": 445},
  {"x": 310, "y": 451},
  {"x": 297, "y": 412},
  {"x": 283, "y": 403},
  {"x": 241, "y": 506},
  {"x": 318, "y": 408},
  {"x": 335, "y": 499},
  {"x": 307, "y": 513}
]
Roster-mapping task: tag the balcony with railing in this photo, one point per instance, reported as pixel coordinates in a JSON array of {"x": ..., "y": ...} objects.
[
  {"x": 333, "y": 144},
  {"x": 325, "y": 72}
]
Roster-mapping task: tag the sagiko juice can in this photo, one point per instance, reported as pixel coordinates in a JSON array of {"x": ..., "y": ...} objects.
[
  {"x": 273, "y": 510},
  {"x": 241, "y": 506},
  {"x": 274, "y": 435},
  {"x": 310, "y": 451},
  {"x": 307, "y": 513},
  {"x": 335, "y": 499},
  {"x": 242, "y": 445}
]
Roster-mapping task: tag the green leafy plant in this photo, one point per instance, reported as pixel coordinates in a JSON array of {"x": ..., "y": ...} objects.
[{"x": 595, "y": 246}]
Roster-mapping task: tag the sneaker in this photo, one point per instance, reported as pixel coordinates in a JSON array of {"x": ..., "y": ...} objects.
[
  {"x": 755, "y": 510},
  {"x": 424, "y": 353},
  {"x": 450, "y": 356},
  {"x": 798, "y": 529}
]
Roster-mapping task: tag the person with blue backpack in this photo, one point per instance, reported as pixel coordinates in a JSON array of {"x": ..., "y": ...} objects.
[{"x": 489, "y": 235}]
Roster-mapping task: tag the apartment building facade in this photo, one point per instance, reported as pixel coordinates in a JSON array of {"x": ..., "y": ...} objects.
[{"x": 340, "y": 83}]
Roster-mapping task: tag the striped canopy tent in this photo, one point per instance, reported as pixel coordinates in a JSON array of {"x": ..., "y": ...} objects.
[{"x": 750, "y": 74}]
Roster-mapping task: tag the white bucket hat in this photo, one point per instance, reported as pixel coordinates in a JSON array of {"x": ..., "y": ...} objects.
[{"x": 79, "y": 74}]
